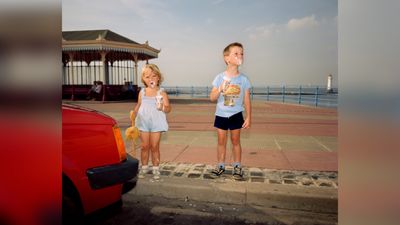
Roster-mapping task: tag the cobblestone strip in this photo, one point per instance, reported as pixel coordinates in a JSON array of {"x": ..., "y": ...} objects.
[{"x": 254, "y": 175}]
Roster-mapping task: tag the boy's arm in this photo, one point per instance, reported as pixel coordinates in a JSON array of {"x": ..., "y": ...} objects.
[
  {"x": 214, "y": 94},
  {"x": 247, "y": 106}
]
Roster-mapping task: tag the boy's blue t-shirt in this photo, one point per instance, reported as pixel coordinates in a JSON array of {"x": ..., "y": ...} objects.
[{"x": 233, "y": 101}]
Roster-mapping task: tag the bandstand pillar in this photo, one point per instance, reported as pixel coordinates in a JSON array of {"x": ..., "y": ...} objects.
[
  {"x": 105, "y": 73},
  {"x": 71, "y": 72},
  {"x": 135, "y": 57}
]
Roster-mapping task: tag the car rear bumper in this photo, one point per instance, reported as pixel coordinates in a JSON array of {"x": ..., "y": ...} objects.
[{"x": 105, "y": 176}]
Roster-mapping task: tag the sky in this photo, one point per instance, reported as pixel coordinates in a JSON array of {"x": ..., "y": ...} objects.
[{"x": 286, "y": 42}]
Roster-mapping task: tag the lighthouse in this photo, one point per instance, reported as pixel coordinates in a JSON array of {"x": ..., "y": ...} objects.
[{"x": 329, "y": 84}]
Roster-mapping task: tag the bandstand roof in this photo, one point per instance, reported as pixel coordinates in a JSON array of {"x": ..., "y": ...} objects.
[{"x": 85, "y": 42}]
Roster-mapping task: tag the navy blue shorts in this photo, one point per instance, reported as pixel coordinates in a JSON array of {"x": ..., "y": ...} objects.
[{"x": 229, "y": 123}]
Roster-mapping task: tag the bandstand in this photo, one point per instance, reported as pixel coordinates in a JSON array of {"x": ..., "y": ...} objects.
[{"x": 105, "y": 57}]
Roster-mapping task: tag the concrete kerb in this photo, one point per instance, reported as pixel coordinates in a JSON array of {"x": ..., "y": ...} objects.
[{"x": 321, "y": 200}]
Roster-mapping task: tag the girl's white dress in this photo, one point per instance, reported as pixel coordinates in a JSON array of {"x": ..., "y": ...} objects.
[{"x": 148, "y": 118}]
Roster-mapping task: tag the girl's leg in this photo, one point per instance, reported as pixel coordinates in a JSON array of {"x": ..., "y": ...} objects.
[
  {"x": 145, "y": 144},
  {"x": 221, "y": 148},
  {"x": 155, "y": 138},
  {"x": 144, "y": 153},
  {"x": 236, "y": 147},
  {"x": 155, "y": 153}
]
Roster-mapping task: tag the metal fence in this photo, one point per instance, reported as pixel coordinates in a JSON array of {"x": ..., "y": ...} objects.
[{"x": 307, "y": 95}]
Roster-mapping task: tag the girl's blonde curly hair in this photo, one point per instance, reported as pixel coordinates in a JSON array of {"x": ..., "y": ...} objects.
[{"x": 155, "y": 69}]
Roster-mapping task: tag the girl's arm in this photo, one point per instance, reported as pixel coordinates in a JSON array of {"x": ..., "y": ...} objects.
[
  {"x": 166, "y": 105},
  {"x": 138, "y": 103},
  {"x": 247, "y": 106}
]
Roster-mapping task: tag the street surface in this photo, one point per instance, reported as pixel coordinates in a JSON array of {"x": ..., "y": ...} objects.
[{"x": 157, "y": 210}]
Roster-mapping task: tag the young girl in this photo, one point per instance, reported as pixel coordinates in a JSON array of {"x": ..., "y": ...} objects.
[{"x": 153, "y": 104}]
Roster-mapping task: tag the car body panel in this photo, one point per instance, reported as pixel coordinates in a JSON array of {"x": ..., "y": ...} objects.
[{"x": 88, "y": 143}]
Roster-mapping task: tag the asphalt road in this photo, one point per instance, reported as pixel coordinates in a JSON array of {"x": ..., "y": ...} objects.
[{"x": 155, "y": 210}]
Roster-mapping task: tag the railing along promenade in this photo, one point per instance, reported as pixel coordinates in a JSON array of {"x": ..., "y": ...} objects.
[{"x": 307, "y": 95}]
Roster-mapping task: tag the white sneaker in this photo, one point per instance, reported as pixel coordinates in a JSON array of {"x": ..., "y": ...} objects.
[
  {"x": 156, "y": 174},
  {"x": 143, "y": 172}
]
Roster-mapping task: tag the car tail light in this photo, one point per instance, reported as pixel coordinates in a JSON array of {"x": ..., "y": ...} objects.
[{"x": 120, "y": 143}]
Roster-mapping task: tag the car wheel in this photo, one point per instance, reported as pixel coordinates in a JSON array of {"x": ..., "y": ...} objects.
[{"x": 72, "y": 211}]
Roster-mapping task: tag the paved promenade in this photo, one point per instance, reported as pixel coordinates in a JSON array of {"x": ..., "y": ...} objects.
[
  {"x": 289, "y": 155},
  {"x": 282, "y": 136}
]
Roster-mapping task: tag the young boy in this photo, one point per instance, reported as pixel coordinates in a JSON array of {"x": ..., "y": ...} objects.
[{"x": 231, "y": 90}]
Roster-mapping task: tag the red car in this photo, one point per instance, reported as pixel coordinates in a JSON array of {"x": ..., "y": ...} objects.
[{"x": 96, "y": 170}]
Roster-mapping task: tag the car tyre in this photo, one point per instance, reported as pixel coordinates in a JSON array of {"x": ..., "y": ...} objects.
[{"x": 72, "y": 211}]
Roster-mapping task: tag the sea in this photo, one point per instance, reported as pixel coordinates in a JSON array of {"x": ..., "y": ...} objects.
[{"x": 318, "y": 96}]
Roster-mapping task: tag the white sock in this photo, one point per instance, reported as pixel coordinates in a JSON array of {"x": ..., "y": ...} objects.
[{"x": 145, "y": 167}]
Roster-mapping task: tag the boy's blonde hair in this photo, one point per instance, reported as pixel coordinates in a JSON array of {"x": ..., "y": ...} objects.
[
  {"x": 155, "y": 69},
  {"x": 227, "y": 49}
]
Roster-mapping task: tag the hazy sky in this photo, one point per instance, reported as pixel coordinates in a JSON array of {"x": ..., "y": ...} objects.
[{"x": 286, "y": 42}]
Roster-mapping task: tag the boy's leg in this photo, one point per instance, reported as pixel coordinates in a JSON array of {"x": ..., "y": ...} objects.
[
  {"x": 236, "y": 147},
  {"x": 155, "y": 153},
  {"x": 221, "y": 148},
  {"x": 237, "y": 154},
  {"x": 221, "y": 153}
]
